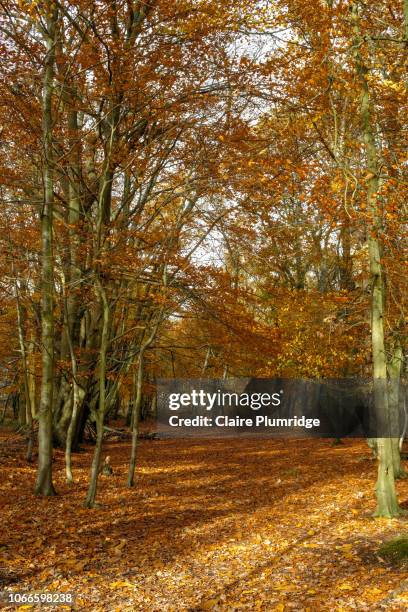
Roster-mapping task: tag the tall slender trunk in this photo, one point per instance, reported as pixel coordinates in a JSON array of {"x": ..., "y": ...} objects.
[
  {"x": 135, "y": 420},
  {"x": 138, "y": 399},
  {"x": 31, "y": 372},
  {"x": 100, "y": 413},
  {"x": 206, "y": 361},
  {"x": 44, "y": 485},
  {"x": 394, "y": 372},
  {"x": 387, "y": 504},
  {"x": 21, "y": 339},
  {"x": 78, "y": 396}
]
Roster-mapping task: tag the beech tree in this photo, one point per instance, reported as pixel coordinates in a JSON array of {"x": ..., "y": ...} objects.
[{"x": 202, "y": 189}]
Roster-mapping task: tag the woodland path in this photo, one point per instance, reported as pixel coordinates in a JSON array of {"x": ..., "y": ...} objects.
[{"x": 211, "y": 525}]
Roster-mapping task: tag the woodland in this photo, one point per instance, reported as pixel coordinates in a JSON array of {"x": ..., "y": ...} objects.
[{"x": 200, "y": 189}]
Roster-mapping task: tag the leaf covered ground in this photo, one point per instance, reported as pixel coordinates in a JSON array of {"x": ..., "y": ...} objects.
[{"x": 243, "y": 524}]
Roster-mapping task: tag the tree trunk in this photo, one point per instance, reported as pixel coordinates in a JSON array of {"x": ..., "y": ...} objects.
[
  {"x": 135, "y": 421},
  {"x": 100, "y": 413},
  {"x": 29, "y": 414},
  {"x": 78, "y": 396},
  {"x": 387, "y": 504},
  {"x": 394, "y": 372},
  {"x": 96, "y": 463},
  {"x": 44, "y": 485},
  {"x": 138, "y": 400},
  {"x": 77, "y": 399}
]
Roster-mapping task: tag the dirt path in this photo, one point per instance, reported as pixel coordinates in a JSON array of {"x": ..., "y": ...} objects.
[{"x": 215, "y": 525}]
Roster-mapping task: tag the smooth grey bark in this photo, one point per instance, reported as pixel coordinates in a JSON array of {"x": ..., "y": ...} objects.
[
  {"x": 387, "y": 504},
  {"x": 135, "y": 420},
  {"x": 138, "y": 400},
  {"x": 44, "y": 485},
  {"x": 101, "y": 410},
  {"x": 21, "y": 339},
  {"x": 78, "y": 394},
  {"x": 68, "y": 398},
  {"x": 394, "y": 373}
]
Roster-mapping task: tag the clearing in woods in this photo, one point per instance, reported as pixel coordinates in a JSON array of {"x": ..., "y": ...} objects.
[{"x": 210, "y": 525}]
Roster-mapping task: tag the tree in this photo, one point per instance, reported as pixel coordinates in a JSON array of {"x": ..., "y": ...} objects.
[{"x": 44, "y": 485}]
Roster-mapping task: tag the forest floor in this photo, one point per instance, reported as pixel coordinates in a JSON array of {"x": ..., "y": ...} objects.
[{"x": 243, "y": 524}]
